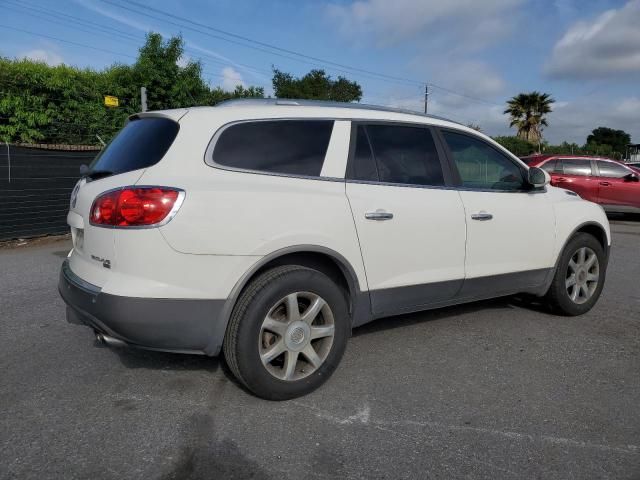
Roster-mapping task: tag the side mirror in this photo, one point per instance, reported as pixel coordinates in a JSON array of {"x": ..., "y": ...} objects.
[
  {"x": 538, "y": 177},
  {"x": 631, "y": 177},
  {"x": 84, "y": 170}
]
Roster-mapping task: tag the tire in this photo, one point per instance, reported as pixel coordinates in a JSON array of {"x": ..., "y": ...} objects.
[
  {"x": 252, "y": 340},
  {"x": 561, "y": 296}
]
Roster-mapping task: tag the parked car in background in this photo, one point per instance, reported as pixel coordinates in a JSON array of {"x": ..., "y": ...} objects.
[
  {"x": 268, "y": 229},
  {"x": 610, "y": 183}
]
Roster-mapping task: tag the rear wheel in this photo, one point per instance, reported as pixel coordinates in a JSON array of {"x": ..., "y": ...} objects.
[
  {"x": 287, "y": 332},
  {"x": 579, "y": 277}
]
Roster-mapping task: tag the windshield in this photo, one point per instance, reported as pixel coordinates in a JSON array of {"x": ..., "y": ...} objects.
[{"x": 140, "y": 144}]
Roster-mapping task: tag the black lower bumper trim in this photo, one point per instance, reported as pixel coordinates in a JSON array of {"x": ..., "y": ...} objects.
[{"x": 166, "y": 324}]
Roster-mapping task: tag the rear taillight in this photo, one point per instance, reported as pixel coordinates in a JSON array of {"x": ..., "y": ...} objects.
[{"x": 135, "y": 206}]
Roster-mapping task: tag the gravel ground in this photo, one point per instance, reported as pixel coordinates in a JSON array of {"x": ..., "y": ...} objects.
[{"x": 487, "y": 390}]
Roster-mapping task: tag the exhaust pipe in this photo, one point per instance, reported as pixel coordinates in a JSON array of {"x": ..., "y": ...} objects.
[{"x": 103, "y": 339}]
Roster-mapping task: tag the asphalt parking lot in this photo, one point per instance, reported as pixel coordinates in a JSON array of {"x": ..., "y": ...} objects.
[{"x": 488, "y": 390}]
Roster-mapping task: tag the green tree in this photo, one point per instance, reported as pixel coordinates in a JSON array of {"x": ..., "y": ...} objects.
[
  {"x": 528, "y": 114},
  {"x": 564, "y": 148},
  {"x": 218, "y": 95},
  {"x": 516, "y": 145},
  {"x": 617, "y": 140},
  {"x": 64, "y": 104},
  {"x": 315, "y": 85},
  {"x": 168, "y": 84}
]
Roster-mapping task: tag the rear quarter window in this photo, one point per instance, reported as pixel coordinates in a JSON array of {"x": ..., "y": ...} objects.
[
  {"x": 293, "y": 147},
  {"x": 141, "y": 143}
]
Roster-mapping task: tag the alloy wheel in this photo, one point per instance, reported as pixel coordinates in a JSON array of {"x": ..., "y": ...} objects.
[
  {"x": 296, "y": 336},
  {"x": 583, "y": 274}
]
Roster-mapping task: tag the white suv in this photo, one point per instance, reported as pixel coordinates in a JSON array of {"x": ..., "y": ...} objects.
[{"x": 269, "y": 229}]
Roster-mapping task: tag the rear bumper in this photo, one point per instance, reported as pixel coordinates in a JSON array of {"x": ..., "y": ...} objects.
[{"x": 165, "y": 324}]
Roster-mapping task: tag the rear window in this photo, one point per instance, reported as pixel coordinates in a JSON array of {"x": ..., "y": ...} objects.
[
  {"x": 294, "y": 147},
  {"x": 576, "y": 166},
  {"x": 140, "y": 144}
]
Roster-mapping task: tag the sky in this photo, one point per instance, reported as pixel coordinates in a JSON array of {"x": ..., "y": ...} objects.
[{"x": 473, "y": 54}]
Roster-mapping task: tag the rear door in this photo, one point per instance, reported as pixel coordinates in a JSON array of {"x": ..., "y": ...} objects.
[
  {"x": 510, "y": 226},
  {"x": 615, "y": 186},
  {"x": 410, "y": 226},
  {"x": 576, "y": 174}
]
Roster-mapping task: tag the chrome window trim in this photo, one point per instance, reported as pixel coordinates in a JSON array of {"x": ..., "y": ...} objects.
[
  {"x": 208, "y": 154},
  {"x": 174, "y": 210},
  {"x": 209, "y": 161}
]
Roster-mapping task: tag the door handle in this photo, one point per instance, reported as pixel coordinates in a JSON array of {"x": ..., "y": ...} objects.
[
  {"x": 605, "y": 184},
  {"x": 378, "y": 215},
  {"x": 482, "y": 216},
  {"x": 561, "y": 179}
]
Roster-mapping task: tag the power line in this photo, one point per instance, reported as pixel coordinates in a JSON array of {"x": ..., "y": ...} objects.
[
  {"x": 366, "y": 72},
  {"x": 256, "y": 42},
  {"x": 346, "y": 68},
  {"x": 66, "y": 41},
  {"x": 75, "y": 20},
  {"x": 469, "y": 97}
]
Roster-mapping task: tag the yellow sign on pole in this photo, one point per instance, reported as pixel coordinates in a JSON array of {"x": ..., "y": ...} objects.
[{"x": 110, "y": 101}]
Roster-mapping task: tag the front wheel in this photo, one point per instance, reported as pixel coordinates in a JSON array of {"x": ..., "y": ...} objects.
[
  {"x": 287, "y": 332},
  {"x": 579, "y": 277}
]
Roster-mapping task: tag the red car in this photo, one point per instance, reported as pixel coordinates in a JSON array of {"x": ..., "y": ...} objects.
[{"x": 601, "y": 180}]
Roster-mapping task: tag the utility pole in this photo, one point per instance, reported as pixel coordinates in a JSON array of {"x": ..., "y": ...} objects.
[
  {"x": 426, "y": 97},
  {"x": 143, "y": 98}
]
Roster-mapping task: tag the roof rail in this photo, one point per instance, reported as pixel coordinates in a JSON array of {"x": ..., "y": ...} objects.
[{"x": 323, "y": 103}]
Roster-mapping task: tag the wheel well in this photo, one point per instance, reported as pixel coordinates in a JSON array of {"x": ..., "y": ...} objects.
[
  {"x": 322, "y": 262},
  {"x": 597, "y": 232}
]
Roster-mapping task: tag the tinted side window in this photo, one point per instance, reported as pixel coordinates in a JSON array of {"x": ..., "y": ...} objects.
[
  {"x": 549, "y": 166},
  {"x": 295, "y": 147},
  {"x": 363, "y": 166},
  {"x": 574, "y": 166},
  {"x": 610, "y": 169},
  {"x": 140, "y": 144},
  {"x": 481, "y": 166},
  {"x": 405, "y": 154}
]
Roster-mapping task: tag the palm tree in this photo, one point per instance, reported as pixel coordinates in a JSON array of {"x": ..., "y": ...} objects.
[{"x": 527, "y": 111}]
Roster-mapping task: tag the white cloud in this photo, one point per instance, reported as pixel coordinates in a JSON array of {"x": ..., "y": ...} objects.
[
  {"x": 453, "y": 107},
  {"x": 472, "y": 77},
  {"x": 231, "y": 78},
  {"x": 571, "y": 120},
  {"x": 476, "y": 23},
  {"x": 40, "y": 55},
  {"x": 605, "y": 47}
]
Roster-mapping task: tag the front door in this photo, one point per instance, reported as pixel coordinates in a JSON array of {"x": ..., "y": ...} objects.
[
  {"x": 615, "y": 185},
  {"x": 510, "y": 227},
  {"x": 577, "y": 175},
  {"x": 411, "y": 228}
]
